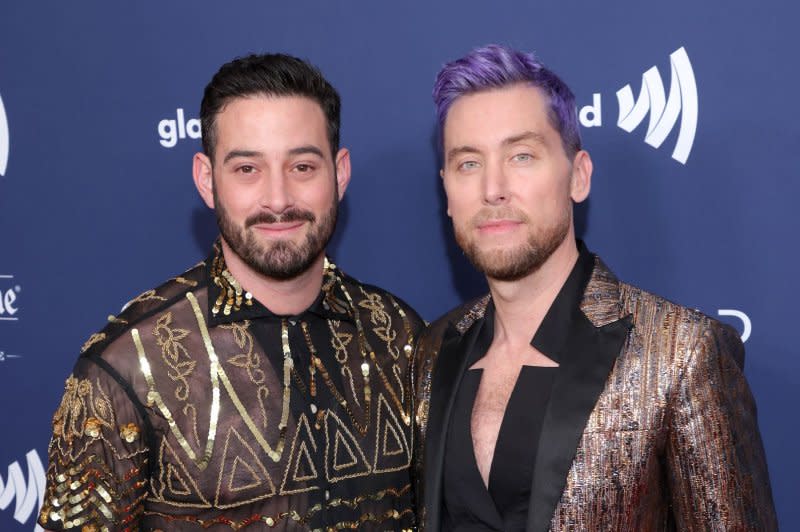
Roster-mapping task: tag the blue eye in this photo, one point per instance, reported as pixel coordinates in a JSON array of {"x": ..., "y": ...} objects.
[
  {"x": 468, "y": 165},
  {"x": 523, "y": 157}
]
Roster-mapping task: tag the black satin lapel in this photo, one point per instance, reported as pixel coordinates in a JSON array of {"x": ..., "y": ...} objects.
[
  {"x": 449, "y": 367},
  {"x": 587, "y": 360}
]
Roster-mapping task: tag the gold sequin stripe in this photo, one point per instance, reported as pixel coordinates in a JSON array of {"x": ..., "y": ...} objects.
[
  {"x": 80, "y": 494},
  {"x": 153, "y": 396},
  {"x": 365, "y": 365},
  {"x": 316, "y": 363},
  {"x": 312, "y": 368},
  {"x": 288, "y": 364},
  {"x": 274, "y": 454},
  {"x": 408, "y": 349},
  {"x": 365, "y": 347},
  {"x": 230, "y": 289},
  {"x": 368, "y": 517},
  {"x": 272, "y": 521},
  {"x": 399, "y": 404}
]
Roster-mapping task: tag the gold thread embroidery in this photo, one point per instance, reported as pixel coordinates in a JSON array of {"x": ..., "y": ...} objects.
[
  {"x": 237, "y": 446},
  {"x": 250, "y": 361},
  {"x": 175, "y": 356},
  {"x": 388, "y": 422},
  {"x": 332, "y": 422},
  {"x": 293, "y": 515},
  {"x": 93, "y": 339},
  {"x": 146, "y": 296},
  {"x": 300, "y": 456}
]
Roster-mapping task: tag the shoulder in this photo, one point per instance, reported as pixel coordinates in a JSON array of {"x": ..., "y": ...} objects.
[
  {"x": 140, "y": 309},
  {"x": 643, "y": 305},
  {"x": 460, "y": 318},
  {"x": 675, "y": 327}
]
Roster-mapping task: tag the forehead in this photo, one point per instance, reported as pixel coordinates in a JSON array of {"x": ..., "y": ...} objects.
[
  {"x": 490, "y": 116},
  {"x": 279, "y": 121}
]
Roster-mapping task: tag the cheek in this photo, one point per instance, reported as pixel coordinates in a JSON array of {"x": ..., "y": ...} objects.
[
  {"x": 237, "y": 203},
  {"x": 460, "y": 212},
  {"x": 318, "y": 195}
]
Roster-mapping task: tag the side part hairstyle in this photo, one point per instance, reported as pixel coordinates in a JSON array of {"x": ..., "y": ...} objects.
[
  {"x": 495, "y": 66},
  {"x": 268, "y": 75}
]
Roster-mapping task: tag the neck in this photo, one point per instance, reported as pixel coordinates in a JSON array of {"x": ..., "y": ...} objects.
[
  {"x": 280, "y": 296},
  {"x": 520, "y": 306}
]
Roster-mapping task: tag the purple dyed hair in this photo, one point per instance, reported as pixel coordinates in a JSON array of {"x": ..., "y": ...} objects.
[{"x": 495, "y": 66}]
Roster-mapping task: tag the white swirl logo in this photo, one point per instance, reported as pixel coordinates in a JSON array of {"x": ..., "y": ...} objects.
[
  {"x": 664, "y": 110},
  {"x": 4, "y": 141},
  {"x": 28, "y": 496}
]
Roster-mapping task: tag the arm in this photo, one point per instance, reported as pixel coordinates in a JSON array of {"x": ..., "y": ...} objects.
[
  {"x": 716, "y": 466},
  {"x": 97, "y": 473}
]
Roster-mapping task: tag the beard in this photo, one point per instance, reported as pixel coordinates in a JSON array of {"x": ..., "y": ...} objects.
[
  {"x": 513, "y": 263},
  {"x": 281, "y": 259}
]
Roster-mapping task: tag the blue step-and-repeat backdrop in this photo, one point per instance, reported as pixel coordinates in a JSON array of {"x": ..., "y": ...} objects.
[{"x": 689, "y": 110}]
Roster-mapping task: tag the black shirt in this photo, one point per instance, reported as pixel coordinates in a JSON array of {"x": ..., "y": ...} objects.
[{"x": 468, "y": 505}]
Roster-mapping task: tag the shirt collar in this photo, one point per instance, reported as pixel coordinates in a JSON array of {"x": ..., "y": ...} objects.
[
  {"x": 552, "y": 333},
  {"x": 228, "y": 302}
]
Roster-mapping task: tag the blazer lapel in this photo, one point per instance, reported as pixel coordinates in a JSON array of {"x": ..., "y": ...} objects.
[
  {"x": 449, "y": 367},
  {"x": 596, "y": 337}
]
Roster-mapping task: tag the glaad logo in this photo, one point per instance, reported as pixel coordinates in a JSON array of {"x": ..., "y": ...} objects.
[
  {"x": 170, "y": 130},
  {"x": 8, "y": 299},
  {"x": 746, "y": 324},
  {"x": 4, "y": 139},
  {"x": 664, "y": 109},
  {"x": 28, "y": 496}
]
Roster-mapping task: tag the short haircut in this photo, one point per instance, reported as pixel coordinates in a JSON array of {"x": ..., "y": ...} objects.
[
  {"x": 268, "y": 75},
  {"x": 495, "y": 66}
]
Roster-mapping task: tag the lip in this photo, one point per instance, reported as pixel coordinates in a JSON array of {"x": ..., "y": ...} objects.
[
  {"x": 278, "y": 228},
  {"x": 498, "y": 226}
]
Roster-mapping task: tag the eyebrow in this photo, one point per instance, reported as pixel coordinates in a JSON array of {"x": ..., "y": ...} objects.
[
  {"x": 508, "y": 141},
  {"x": 526, "y": 135},
  {"x": 460, "y": 150},
  {"x": 300, "y": 150},
  {"x": 241, "y": 153}
]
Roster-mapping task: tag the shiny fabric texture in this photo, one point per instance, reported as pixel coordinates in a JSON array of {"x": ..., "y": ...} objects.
[
  {"x": 671, "y": 442},
  {"x": 182, "y": 416}
]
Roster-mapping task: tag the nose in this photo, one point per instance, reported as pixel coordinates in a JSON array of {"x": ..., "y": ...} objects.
[
  {"x": 276, "y": 194},
  {"x": 495, "y": 184}
]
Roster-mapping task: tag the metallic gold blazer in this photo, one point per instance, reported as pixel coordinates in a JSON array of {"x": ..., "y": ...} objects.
[{"x": 650, "y": 425}]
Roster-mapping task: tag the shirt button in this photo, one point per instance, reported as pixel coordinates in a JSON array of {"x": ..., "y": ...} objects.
[
  {"x": 313, "y": 408},
  {"x": 327, "y": 495}
]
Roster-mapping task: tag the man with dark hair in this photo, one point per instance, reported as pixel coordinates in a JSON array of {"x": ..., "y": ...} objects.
[
  {"x": 565, "y": 399},
  {"x": 263, "y": 388}
]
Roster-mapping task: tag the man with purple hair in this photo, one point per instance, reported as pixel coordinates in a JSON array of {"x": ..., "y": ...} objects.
[{"x": 565, "y": 399}]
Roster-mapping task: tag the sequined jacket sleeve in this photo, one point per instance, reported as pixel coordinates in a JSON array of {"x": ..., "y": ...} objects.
[
  {"x": 717, "y": 471},
  {"x": 96, "y": 478}
]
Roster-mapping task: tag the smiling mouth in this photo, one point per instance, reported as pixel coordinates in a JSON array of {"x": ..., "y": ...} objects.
[{"x": 278, "y": 228}]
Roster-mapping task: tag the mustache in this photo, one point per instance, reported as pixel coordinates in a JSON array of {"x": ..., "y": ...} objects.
[
  {"x": 292, "y": 215},
  {"x": 498, "y": 213}
]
